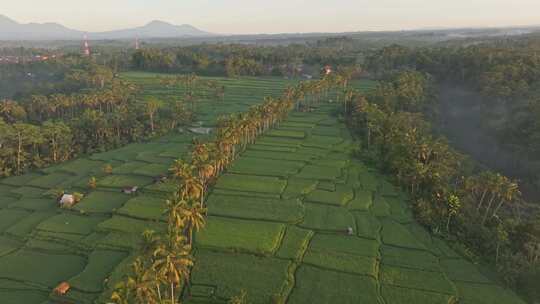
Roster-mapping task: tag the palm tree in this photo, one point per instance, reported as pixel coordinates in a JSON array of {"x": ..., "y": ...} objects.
[
  {"x": 138, "y": 288},
  {"x": 151, "y": 108},
  {"x": 194, "y": 215},
  {"x": 174, "y": 211},
  {"x": 172, "y": 261}
]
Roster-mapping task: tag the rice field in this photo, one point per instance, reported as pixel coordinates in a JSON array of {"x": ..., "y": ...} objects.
[
  {"x": 90, "y": 245},
  {"x": 297, "y": 219}
]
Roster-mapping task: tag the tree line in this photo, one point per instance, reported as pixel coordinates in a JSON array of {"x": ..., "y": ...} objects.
[
  {"x": 162, "y": 270},
  {"x": 481, "y": 210},
  {"x": 243, "y": 60}
]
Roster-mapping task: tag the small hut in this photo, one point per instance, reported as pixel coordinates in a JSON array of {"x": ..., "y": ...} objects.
[
  {"x": 66, "y": 200},
  {"x": 349, "y": 231},
  {"x": 130, "y": 190},
  {"x": 62, "y": 288}
]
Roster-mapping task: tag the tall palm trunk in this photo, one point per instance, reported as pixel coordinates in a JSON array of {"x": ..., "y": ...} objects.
[{"x": 172, "y": 293}]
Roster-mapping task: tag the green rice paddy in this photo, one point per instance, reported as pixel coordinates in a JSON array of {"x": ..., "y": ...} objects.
[
  {"x": 90, "y": 246},
  {"x": 306, "y": 168},
  {"x": 296, "y": 219}
]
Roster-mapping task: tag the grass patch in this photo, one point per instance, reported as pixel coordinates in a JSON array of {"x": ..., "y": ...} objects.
[
  {"x": 129, "y": 167},
  {"x": 28, "y": 192},
  {"x": 35, "y": 204},
  {"x": 144, "y": 206},
  {"x": 27, "y": 296},
  {"x": 486, "y": 294},
  {"x": 410, "y": 258},
  {"x": 8, "y": 245},
  {"x": 102, "y": 202},
  {"x": 320, "y": 173},
  {"x": 461, "y": 270},
  {"x": 234, "y": 234},
  {"x": 120, "y": 181},
  {"x": 340, "y": 197},
  {"x": 50, "y": 180},
  {"x": 40, "y": 268},
  {"x": 314, "y": 285},
  {"x": 20, "y": 180},
  {"x": 8, "y": 217},
  {"x": 255, "y": 208},
  {"x": 269, "y": 167},
  {"x": 362, "y": 200},
  {"x": 367, "y": 225},
  {"x": 321, "y": 217},
  {"x": 26, "y": 225},
  {"x": 417, "y": 279},
  {"x": 129, "y": 225},
  {"x": 251, "y": 183},
  {"x": 343, "y": 243},
  {"x": 100, "y": 264},
  {"x": 380, "y": 206},
  {"x": 231, "y": 273},
  {"x": 298, "y": 186},
  {"x": 70, "y": 224},
  {"x": 294, "y": 243},
  {"x": 286, "y": 133},
  {"x": 399, "y": 295},
  {"x": 398, "y": 235},
  {"x": 152, "y": 170}
]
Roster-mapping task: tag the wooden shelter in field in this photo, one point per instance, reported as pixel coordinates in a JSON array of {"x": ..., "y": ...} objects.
[
  {"x": 62, "y": 288},
  {"x": 130, "y": 190},
  {"x": 66, "y": 200}
]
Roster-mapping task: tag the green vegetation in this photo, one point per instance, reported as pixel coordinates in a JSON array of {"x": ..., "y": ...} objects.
[
  {"x": 386, "y": 257},
  {"x": 91, "y": 245}
]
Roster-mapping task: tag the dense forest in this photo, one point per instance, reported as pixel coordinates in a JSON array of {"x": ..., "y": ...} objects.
[{"x": 507, "y": 76}]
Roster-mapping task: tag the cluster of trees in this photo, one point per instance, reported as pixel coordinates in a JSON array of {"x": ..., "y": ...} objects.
[
  {"x": 163, "y": 268},
  {"x": 45, "y": 129},
  {"x": 508, "y": 76},
  {"x": 480, "y": 209},
  {"x": 63, "y": 74},
  {"x": 240, "y": 59}
]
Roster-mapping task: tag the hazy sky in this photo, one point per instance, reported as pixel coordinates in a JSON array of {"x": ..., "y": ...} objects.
[{"x": 276, "y": 16}]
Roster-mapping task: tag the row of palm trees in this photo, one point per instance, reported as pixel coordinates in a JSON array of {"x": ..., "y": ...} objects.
[{"x": 164, "y": 265}]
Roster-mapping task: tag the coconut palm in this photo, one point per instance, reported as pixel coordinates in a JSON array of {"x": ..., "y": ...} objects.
[
  {"x": 172, "y": 261},
  {"x": 194, "y": 215}
]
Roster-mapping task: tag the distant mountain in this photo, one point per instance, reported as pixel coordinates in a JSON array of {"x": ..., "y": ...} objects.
[
  {"x": 12, "y": 30},
  {"x": 154, "y": 29}
]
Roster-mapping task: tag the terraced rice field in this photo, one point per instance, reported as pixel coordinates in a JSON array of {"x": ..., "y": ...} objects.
[
  {"x": 278, "y": 229},
  {"x": 91, "y": 245}
]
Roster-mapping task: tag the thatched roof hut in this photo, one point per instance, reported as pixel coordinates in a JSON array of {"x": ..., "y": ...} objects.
[
  {"x": 62, "y": 288},
  {"x": 66, "y": 200}
]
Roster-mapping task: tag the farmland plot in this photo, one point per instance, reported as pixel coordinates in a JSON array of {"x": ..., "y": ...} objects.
[
  {"x": 344, "y": 233},
  {"x": 91, "y": 245}
]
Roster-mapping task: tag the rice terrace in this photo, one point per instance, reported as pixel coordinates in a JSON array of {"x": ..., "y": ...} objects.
[
  {"x": 165, "y": 164},
  {"x": 282, "y": 209}
]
